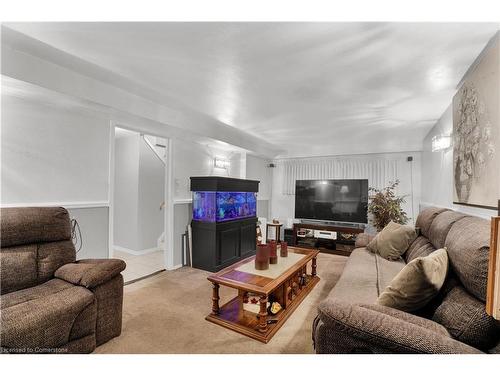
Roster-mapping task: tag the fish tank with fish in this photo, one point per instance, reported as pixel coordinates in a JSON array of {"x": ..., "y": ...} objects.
[{"x": 221, "y": 206}]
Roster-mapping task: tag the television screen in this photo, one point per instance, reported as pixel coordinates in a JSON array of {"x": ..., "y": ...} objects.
[{"x": 332, "y": 200}]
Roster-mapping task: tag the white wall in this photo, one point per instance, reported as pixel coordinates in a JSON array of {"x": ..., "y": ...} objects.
[
  {"x": 126, "y": 192},
  {"x": 409, "y": 174},
  {"x": 46, "y": 154},
  {"x": 193, "y": 159},
  {"x": 55, "y": 156},
  {"x": 151, "y": 196},
  {"x": 437, "y": 172},
  {"x": 139, "y": 190},
  {"x": 94, "y": 228},
  {"x": 258, "y": 169}
]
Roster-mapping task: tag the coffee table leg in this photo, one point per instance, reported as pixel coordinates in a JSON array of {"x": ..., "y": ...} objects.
[
  {"x": 215, "y": 299},
  {"x": 263, "y": 314},
  {"x": 313, "y": 273}
]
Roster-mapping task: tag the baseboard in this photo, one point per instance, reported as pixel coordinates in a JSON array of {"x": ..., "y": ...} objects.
[
  {"x": 177, "y": 267},
  {"x": 136, "y": 252}
]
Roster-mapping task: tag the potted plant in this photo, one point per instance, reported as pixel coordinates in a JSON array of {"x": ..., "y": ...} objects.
[{"x": 385, "y": 206}]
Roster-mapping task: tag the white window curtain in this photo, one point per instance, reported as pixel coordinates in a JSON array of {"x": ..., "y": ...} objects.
[{"x": 378, "y": 171}]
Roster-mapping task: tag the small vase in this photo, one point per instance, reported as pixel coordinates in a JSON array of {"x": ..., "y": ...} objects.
[
  {"x": 273, "y": 252},
  {"x": 262, "y": 257},
  {"x": 283, "y": 249}
]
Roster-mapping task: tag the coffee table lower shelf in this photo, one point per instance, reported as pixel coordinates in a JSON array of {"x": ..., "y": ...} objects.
[{"x": 231, "y": 316}]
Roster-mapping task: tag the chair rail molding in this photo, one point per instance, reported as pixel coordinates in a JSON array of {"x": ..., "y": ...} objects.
[{"x": 70, "y": 205}]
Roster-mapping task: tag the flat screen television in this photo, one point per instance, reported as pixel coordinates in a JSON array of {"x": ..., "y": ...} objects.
[{"x": 332, "y": 200}]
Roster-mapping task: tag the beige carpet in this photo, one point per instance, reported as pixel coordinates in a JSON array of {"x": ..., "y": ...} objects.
[{"x": 166, "y": 314}]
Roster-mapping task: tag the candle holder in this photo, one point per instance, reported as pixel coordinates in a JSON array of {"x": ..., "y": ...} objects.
[
  {"x": 273, "y": 252},
  {"x": 283, "y": 249},
  {"x": 262, "y": 257}
]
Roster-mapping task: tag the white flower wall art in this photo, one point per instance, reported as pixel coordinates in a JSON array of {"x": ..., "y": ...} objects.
[{"x": 476, "y": 134}]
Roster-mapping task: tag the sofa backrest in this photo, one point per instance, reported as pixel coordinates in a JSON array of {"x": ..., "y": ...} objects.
[
  {"x": 34, "y": 243},
  {"x": 460, "y": 307}
]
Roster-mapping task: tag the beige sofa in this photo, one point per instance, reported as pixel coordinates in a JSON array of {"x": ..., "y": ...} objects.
[{"x": 350, "y": 321}]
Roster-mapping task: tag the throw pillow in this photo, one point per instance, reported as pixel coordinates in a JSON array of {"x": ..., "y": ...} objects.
[
  {"x": 417, "y": 283},
  {"x": 393, "y": 240}
]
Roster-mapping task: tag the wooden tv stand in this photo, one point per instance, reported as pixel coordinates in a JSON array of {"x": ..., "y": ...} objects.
[{"x": 343, "y": 245}]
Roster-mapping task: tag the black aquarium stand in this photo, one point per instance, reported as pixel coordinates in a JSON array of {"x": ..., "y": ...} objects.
[{"x": 216, "y": 245}]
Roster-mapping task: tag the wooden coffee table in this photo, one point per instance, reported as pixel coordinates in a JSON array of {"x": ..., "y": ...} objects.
[{"x": 281, "y": 283}]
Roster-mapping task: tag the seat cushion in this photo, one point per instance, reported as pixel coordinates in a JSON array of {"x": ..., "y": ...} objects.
[
  {"x": 364, "y": 276},
  {"x": 358, "y": 282},
  {"x": 24, "y": 295},
  {"x": 465, "y": 318},
  {"x": 387, "y": 271},
  {"x": 43, "y": 316}
]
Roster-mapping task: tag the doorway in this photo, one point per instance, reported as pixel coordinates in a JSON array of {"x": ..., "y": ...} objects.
[{"x": 138, "y": 202}]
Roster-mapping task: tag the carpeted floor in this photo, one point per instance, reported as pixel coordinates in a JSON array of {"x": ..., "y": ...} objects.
[{"x": 166, "y": 314}]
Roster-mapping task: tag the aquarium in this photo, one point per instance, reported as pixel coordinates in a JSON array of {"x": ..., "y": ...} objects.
[{"x": 221, "y": 206}]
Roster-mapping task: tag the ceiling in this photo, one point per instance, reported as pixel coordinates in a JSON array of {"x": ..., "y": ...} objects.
[{"x": 309, "y": 88}]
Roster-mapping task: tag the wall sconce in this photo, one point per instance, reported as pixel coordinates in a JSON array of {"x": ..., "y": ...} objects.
[
  {"x": 440, "y": 142},
  {"x": 221, "y": 163}
]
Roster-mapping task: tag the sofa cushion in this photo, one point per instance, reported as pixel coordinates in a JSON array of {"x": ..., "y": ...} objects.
[
  {"x": 24, "y": 295},
  {"x": 18, "y": 268},
  {"x": 426, "y": 217},
  {"x": 53, "y": 255},
  {"x": 466, "y": 320},
  {"x": 28, "y": 225},
  {"x": 387, "y": 271},
  {"x": 358, "y": 282},
  {"x": 44, "y": 322},
  {"x": 441, "y": 225},
  {"x": 421, "y": 247},
  {"x": 417, "y": 283},
  {"x": 392, "y": 241},
  {"x": 364, "y": 277},
  {"x": 468, "y": 249}
]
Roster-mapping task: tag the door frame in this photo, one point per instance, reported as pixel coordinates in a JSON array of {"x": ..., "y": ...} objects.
[{"x": 168, "y": 211}]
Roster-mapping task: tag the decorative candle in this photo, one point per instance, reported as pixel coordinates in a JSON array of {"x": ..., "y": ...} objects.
[
  {"x": 262, "y": 257},
  {"x": 283, "y": 249},
  {"x": 273, "y": 253}
]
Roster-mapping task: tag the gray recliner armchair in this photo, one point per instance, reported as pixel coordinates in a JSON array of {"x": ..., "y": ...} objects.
[{"x": 51, "y": 303}]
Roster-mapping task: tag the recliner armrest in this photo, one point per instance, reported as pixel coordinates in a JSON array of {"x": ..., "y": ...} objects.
[
  {"x": 389, "y": 329},
  {"x": 90, "y": 273}
]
